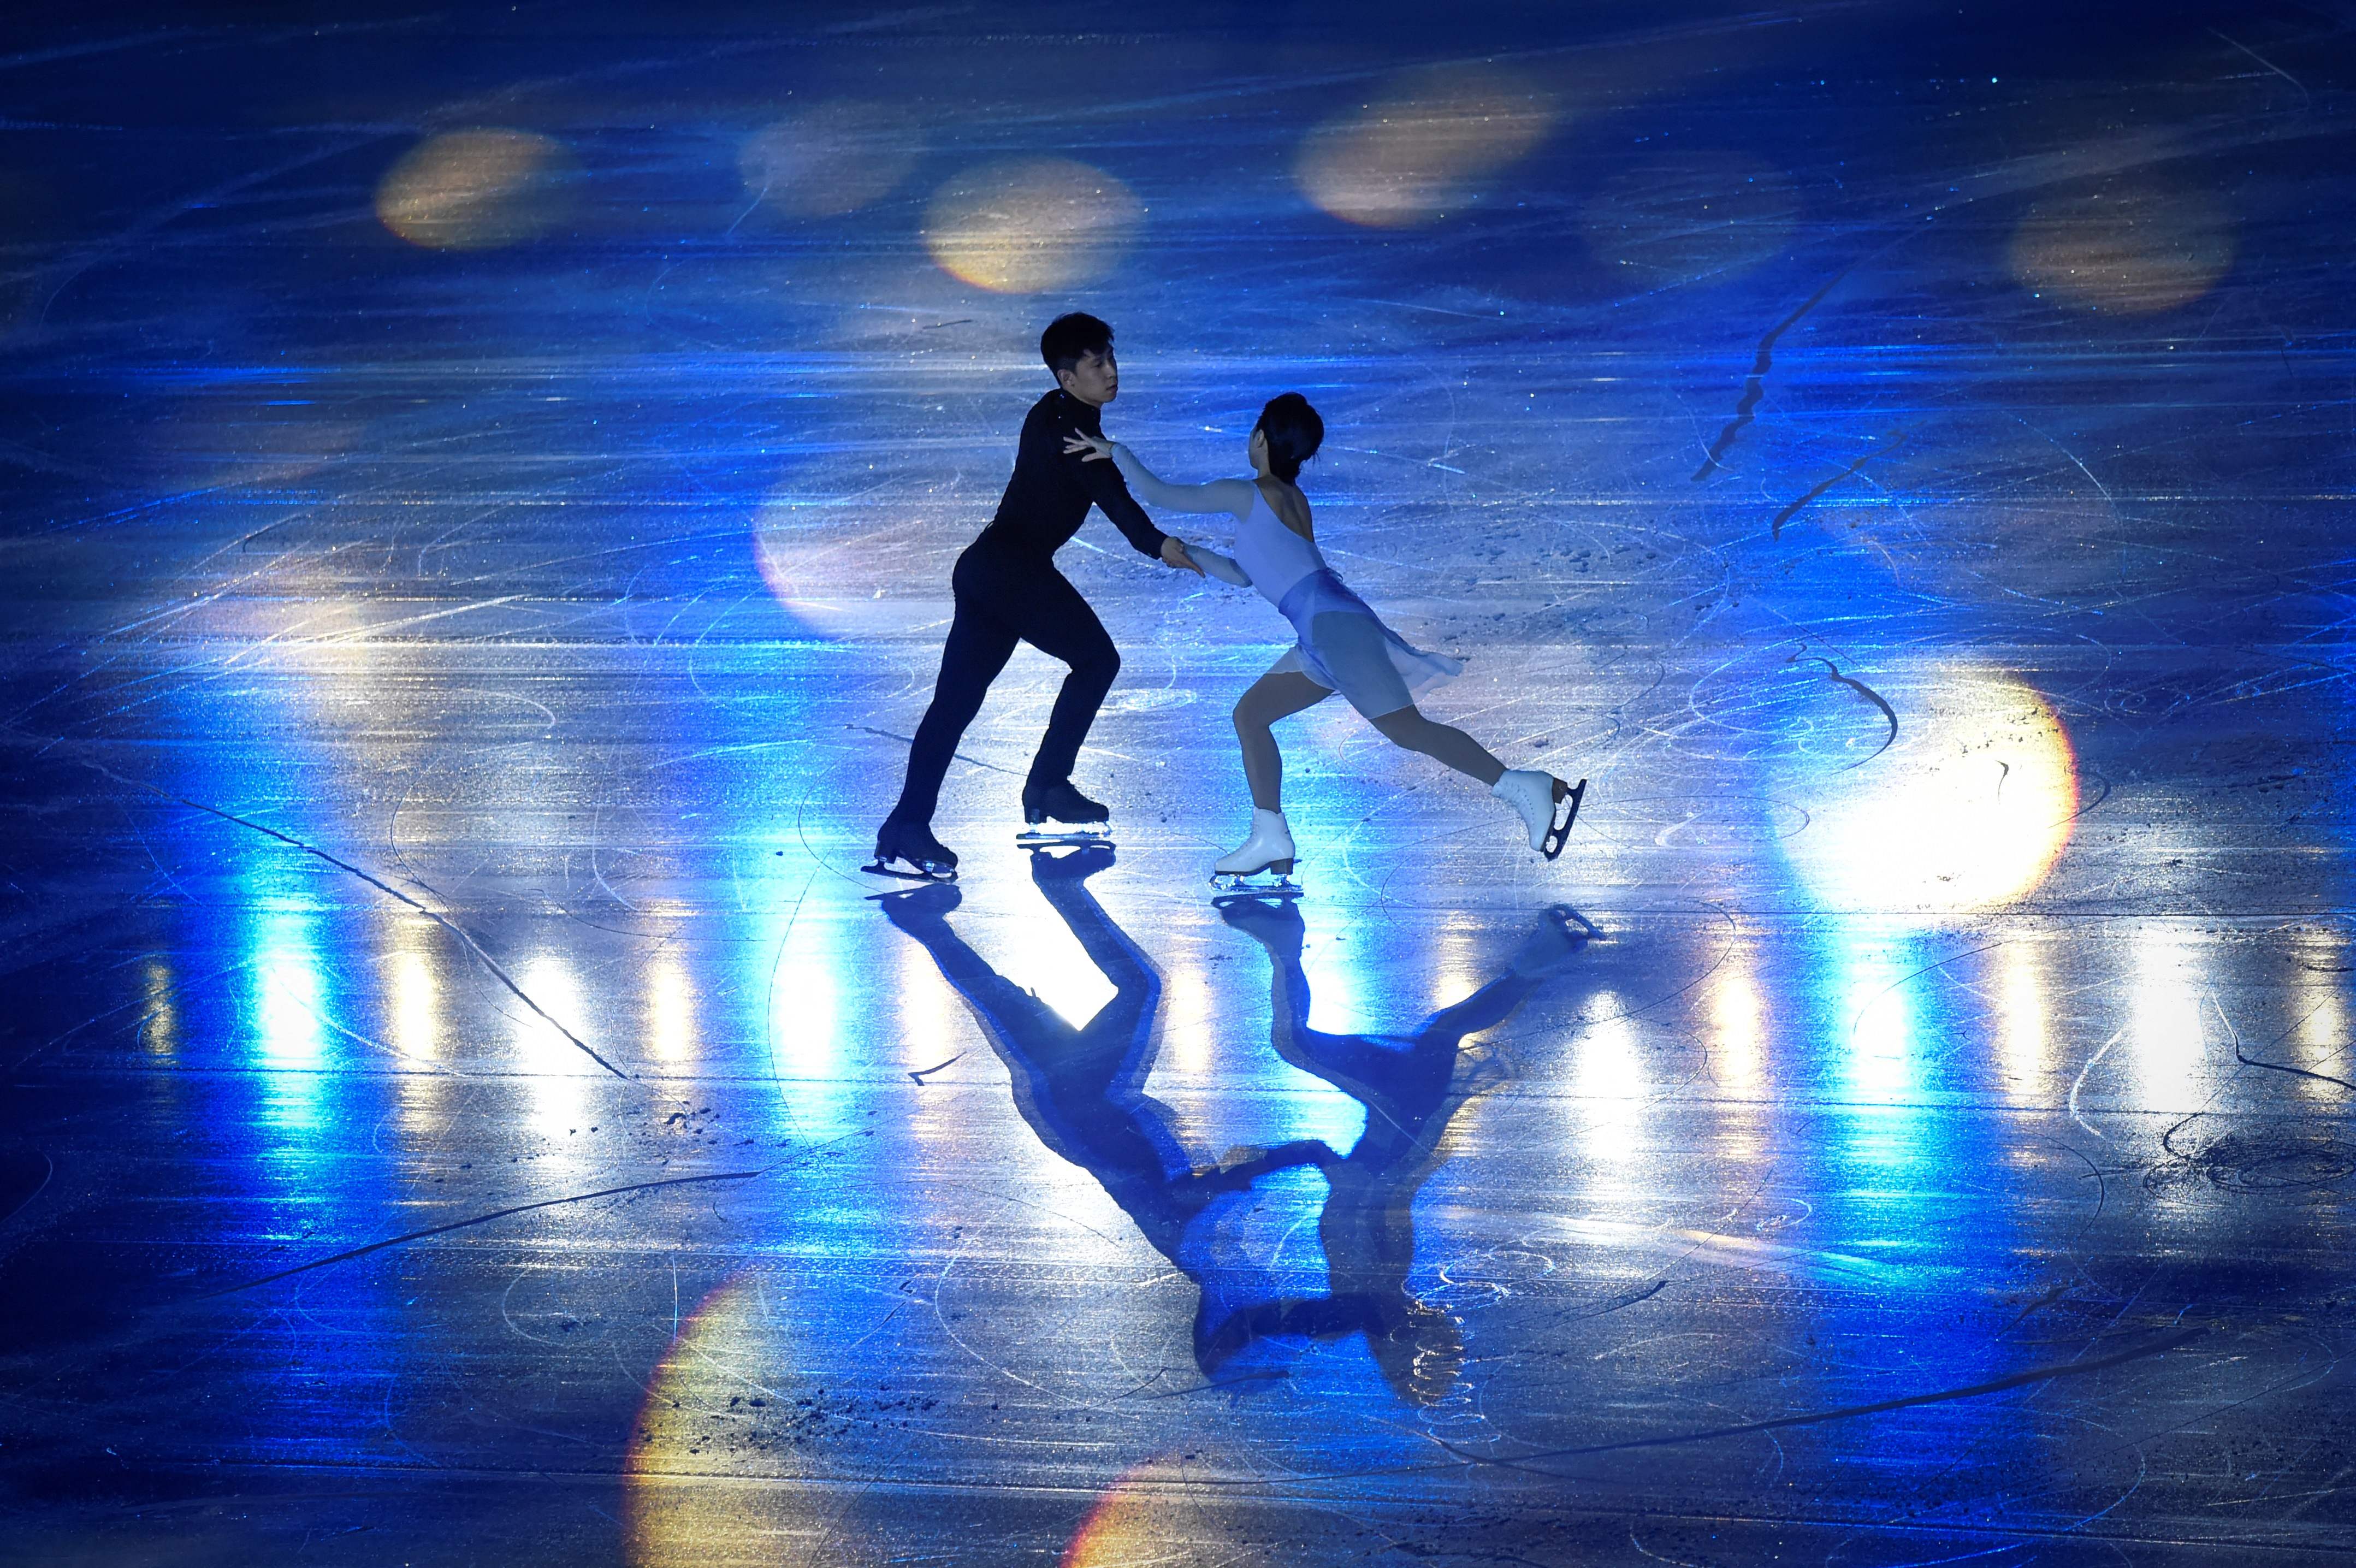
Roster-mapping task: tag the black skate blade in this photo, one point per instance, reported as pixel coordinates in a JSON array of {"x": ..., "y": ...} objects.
[
  {"x": 917, "y": 871},
  {"x": 1562, "y": 831}
]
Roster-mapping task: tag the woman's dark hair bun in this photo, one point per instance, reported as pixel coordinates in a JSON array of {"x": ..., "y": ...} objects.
[{"x": 1294, "y": 432}]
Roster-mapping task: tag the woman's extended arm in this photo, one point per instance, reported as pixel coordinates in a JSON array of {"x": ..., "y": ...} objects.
[
  {"x": 1233, "y": 496},
  {"x": 1218, "y": 566}
]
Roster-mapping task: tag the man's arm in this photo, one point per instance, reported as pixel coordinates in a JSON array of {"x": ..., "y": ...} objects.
[{"x": 1104, "y": 485}]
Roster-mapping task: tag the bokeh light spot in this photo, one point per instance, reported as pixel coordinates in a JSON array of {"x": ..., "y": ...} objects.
[
  {"x": 1028, "y": 225},
  {"x": 830, "y": 159},
  {"x": 1675, "y": 217},
  {"x": 1968, "y": 811},
  {"x": 2137, "y": 248},
  {"x": 477, "y": 190},
  {"x": 1422, "y": 150},
  {"x": 1152, "y": 1515}
]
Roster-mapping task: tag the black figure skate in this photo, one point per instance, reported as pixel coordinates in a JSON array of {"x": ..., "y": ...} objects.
[
  {"x": 1059, "y": 814},
  {"x": 912, "y": 844}
]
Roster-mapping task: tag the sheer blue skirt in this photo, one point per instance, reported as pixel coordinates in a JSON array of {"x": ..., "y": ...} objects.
[{"x": 1345, "y": 647}]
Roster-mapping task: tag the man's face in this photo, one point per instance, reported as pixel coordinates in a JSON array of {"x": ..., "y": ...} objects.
[{"x": 1094, "y": 380}]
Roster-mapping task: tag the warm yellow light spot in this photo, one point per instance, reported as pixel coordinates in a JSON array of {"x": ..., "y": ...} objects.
[
  {"x": 2131, "y": 246},
  {"x": 1027, "y": 225},
  {"x": 1152, "y": 1517},
  {"x": 1968, "y": 810},
  {"x": 830, "y": 159},
  {"x": 477, "y": 190},
  {"x": 1423, "y": 149},
  {"x": 700, "y": 1428}
]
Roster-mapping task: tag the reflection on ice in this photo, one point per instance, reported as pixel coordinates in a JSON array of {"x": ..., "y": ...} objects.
[
  {"x": 477, "y": 190},
  {"x": 1609, "y": 1080},
  {"x": 1968, "y": 809},
  {"x": 1425, "y": 148},
  {"x": 831, "y": 159},
  {"x": 1029, "y": 225},
  {"x": 556, "y": 1071},
  {"x": 2131, "y": 245},
  {"x": 2026, "y": 1045},
  {"x": 1738, "y": 1024},
  {"x": 2167, "y": 1022}
]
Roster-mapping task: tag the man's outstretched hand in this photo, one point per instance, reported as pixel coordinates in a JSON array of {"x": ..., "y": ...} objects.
[{"x": 1173, "y": 553}]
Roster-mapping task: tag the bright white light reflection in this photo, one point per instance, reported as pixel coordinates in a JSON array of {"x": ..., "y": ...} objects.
[
  {"x": 1738, "y": 1023},
  {"x": 1331, "y": 958},
  {"x": 1879, "y": 1061},
  {"x": 1968, "y": 810},
  {"x": 2166, "y": 1021},
  {"x": 1044, "y": 959},
  {"x": 416, "y": 1005},
  {"x": 1187, "y": 1002},
  {"x": 670, "y": 1010},
  {"x": 2027, "y": 1045},
  {"x": 287, "y": 994},
  {"x": 557, "y": 1070},
  {"x": 1608, "y": 1078},
  {"x": 801, "y": 1019}
]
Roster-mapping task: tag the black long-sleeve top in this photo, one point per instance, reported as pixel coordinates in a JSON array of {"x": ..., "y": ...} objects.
[{"x": 1050, "y": 491}]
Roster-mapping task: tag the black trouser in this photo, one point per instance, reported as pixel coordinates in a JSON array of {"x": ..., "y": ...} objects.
[{"x": 1005, "y": 596}]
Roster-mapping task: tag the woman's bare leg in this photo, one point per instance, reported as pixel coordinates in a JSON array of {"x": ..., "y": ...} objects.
[
  {"x": 1273, "y": 696},
  {"x": 1444, "y": 743}
]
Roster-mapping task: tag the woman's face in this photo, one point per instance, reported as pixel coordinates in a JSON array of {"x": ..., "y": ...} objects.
[{"x": 1259, "y": 449}]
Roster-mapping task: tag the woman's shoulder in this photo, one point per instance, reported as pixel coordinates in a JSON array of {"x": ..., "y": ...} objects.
[{"x": 1286, "y": 503}]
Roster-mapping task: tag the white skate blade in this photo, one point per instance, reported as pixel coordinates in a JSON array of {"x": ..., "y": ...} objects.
[{"x": 1052, "y": 832}]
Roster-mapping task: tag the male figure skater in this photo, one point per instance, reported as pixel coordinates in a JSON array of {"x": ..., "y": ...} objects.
[{"x": 1007, "y": 591}]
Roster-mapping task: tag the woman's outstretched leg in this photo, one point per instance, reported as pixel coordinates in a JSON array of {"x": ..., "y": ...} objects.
[
  {"x": 1275, "y": 696},
  {"x": 1443, "y": 743}
]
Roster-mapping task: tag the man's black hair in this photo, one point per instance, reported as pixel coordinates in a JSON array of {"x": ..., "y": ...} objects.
[{"x": 1071, "y": 337}]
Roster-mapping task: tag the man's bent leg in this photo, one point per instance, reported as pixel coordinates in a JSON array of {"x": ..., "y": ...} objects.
[
  {"x": 1055, "y": 621},
  {"x": 979, "y": 646}
]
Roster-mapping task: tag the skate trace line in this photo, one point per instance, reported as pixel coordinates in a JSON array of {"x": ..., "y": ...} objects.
[
  {"x": 385, "y": 887},
  {"x": 1869, "y": 694},
  {"x": 362, "y": 1252},
  {"x": 1754, "y": 385}
]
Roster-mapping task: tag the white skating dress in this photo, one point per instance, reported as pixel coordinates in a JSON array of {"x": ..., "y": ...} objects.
[{"x": 1343, "y": 646}]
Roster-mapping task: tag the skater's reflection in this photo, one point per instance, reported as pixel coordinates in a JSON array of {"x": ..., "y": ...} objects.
[
  {"x": 1412, "y": 1086},
  {"x": 1082, "y": 1091}
]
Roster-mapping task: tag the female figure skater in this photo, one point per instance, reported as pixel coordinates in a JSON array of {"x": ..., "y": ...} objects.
[{"x": 1343, "y": 646}]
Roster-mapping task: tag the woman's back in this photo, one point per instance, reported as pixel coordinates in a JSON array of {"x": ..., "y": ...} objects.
[{"x": 1270, "y": 552}]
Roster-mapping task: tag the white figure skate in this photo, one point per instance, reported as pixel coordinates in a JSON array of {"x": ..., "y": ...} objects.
[
  {"x": 1262, "y": 864},
  {"x": 1547, "y": 805}
]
